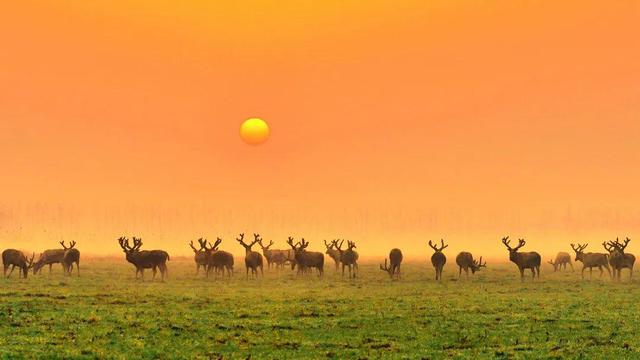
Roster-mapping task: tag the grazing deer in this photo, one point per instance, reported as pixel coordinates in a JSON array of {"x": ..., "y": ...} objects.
[
  {"x": 218, "y": 260},
  {"x": 252, "y": 259},
  {"x": 144, "y": 259},
  {"x": 561, "y": 261},
  {"x": 268, "y": 254},
  {"x": 465, "y": 262},
  {"x": 200, "y": 255},
  {"x": 591, "y": 260},
  {"x": 395, "y": 259},
  {"x": 618, "y": 259},
  {"x": 49, "y": 257},
  {"x": 333, "y": 252},
  {"x": 524, "y": 260},
  {"x": 438, "y": 259},
  {"x": 71, "y": 256},
  {"x": 16, "y": 259},
  {"x": 348, "y": 257},
  {"x": 307, "y": 260}
]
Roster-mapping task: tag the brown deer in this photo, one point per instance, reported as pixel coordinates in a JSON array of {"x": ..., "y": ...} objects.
[
  {"x": 49, "y": 257},
  {"x": 268, "y": 254},
  {"x": 348, "y": 257},
  {"x": 561, "y": 261},
  {"x": 218, "y": 260},
  {"x": 524, "y": 260},
  {"x": 199, "y": 255},
  {"x": 618, "y": 259},
  {"x": 16, "y": 259},
  {"x": 71, "y": 256},
  {"x": 591, "y": 260},
  {"x": 332, "y": 252},
  {"x": 395, "y": 259},
  {"x": 465, "y": 262},
  {"x": 252, "y": 259},
  {"x": 307, "y": 260},
  {"x": 438, "y": 259},
  {"x": 144, "y": 259}
]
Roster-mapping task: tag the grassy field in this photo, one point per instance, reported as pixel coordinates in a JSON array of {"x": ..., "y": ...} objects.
[{"x": 106, "y": 313}]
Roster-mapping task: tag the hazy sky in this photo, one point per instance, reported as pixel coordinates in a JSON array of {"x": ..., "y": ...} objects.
[{"x": 392, "y": 122}]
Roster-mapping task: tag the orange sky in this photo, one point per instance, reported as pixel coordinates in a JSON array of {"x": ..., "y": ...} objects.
[{"x": 392, "y": 122}]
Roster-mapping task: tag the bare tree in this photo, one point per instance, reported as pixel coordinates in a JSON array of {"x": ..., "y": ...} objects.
[
  {"x": 591, "y": 260},
  {"x": 561, "y": 261},
  {"x": 465, "y": 262},
  {"x": 71, "y": 256},
  {"x": 524, "y": 260},
  {"x": 307, "y": 260},
  {"x": 252, "y": 259},
  {"x": 438, "y": 259},
  {"x": 144, "y": 259},
  {"x": 218, "y": 260},
  {"x": 618, "y": 259},
  {"x": 333, "y": 252},
  {"x": 199, "y": 254},
  {"x": 16, "y": 259},
  {"x": 395, "y": 260}
]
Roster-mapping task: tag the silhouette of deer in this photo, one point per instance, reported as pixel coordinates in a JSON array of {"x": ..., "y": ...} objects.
[
  {"x": 218, "y": 260},
  {"x": 591, "y": 260},
  {"x": 252, "y": 259},
  {"x": 561, "y": 261},
  {"x": 618, "y": 259},
  {"x": 16, "y": 259},
  {"x": 144, "y": 259},
  {"x": 306, "y": 260},
  {"x": 465, "y": 262},
  {"x": 71, "y": 256},
  {"x": 49, "y": 257},
  {"x": 438, "y": 259},
  {"x": 348, "y": 258},
  {"x": 333, "y": 252},
  {"x": 268, "y": 254},
  {"x": 524, "y": 260},
  {"x": 199, "y": 255},
  {"x": 395, "y": 260}
]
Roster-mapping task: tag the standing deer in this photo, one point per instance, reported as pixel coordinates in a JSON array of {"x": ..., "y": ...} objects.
[
  {"x": 200, "y": 255},
  {"x": 332, "y": 252},
  {"x": 49, "y": 257},
  {"x": 395, "y": 259},
  {"x": 16, "y": 259},
  {"x": 591, "y": 260},
  {"x": 144, "y": 259},
  {"x": 218, "y": 260},
  {"x": 252, "y": 259},
  {"x": 618, "y": 259},
  {"x": 268, "y": 254},
  {"x": 438, "y": 259},
  {"x": 348, "y": 257},
  {"x": 524, "y": 260},
  {"x": 71, "y": 256},
  {"x": 465, "y": 262},
  {"x": 306, "y": 260},
  {"x": 561, "y": 261}
]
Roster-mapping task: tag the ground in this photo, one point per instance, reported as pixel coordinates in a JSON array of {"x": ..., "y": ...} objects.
[{"x": 106, "y": 313}]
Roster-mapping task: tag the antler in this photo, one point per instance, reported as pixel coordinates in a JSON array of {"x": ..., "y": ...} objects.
[
  {"x": 137, "y": 243},
  {"x": 506, "y": 241},
  {"x": 124, "y": 243},
  {"x": 385, "y": 268},
  {"x": 256, "y": 239},
  {"x": 193, "y": 247},
  {"x": 521, "y": 243},
  {"x": 290, "y": 242},
  {"x": 609, "y": 246},
  {"x": 62, "y": 243},
  {"x": 216, "y": 244}
]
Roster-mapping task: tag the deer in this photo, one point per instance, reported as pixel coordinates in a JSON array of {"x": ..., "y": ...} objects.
[
  {"x": 465, "y": 262},
  {"x": 252, "y": 259},
  {"x": 268, "y": 254},
  {"x": 71, "y": 256},
  {"x": 395, "y": 259},
  {"x": 332, "y": 252},
  {"x": 618, "y": 259},
  {"x": 591, "y": 260},
  {"x": 144, "y": 259},
  {"x": 199, "y": 255},
  {"x": 524, "y": 260},
  {"x": 16, "y": 259},
  {"x": 306, "y": 260},
  {"x": 348, "y": 257},
  {"x": 49, "y": 257},
  {"x": 561, "y": 261},
  {"x": 438, "y": 259},
  {"x": 218, "y": 260}
]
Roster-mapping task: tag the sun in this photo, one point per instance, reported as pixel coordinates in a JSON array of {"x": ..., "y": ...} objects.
[{"x": 254, "y": 131}]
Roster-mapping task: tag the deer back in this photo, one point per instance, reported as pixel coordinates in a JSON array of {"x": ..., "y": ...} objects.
[
  {"x": 528, "y": 259},
  {"x": 395, "y": 257},
  {"x": 253, "y": 259},
  {"x": 70, "y": 256},
  {"x": 14, "y": 257},
  {"x": 464, "y": 260},
  {"x": 438, "y": 259},
  {"x": 595, "y": 259}
]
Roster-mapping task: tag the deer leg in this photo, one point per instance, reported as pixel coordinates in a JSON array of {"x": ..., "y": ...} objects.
[
  {"x": 50, "y": 265},
  {"x": 11, "y": 272},
  {"x": 521, "y": 274},
  {"x": 154, "y": 269},
  {"x": 5, "y": 269},
  {"x": 261, "y": 272},
  {"x": 590, "y": 272},
  {"x": 583, "y": 272}
]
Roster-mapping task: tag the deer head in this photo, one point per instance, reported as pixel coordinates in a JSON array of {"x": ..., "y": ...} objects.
[
  {"x": 351, "y": 245},
  {"x": 290, "y": 242},
  {"x": 436, "y": 248},
  {"x": 477, "y": 264},
  {"x": 265, "y": 248},
  {"x": 386, "y": 268},
  {"x": 203, "y": 245},
  {"x": 579, "y": 251}
]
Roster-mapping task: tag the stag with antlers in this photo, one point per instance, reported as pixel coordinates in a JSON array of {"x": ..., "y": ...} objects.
[
  {"x": 306, "y": 260},
  {"x": 49, "y": 257},
  {"x": 395, "y": 260},
  {"x": 524, "y": 260},
  {"x": 71, "y": 256},
  {"x": 333, "y": 252},
  {"x": 16, "y": 259},
  {"x": 252, "y": 259},
  {"x": 218, "y": 260},
  {"x": 348, "y": 257},
  {"x": 144, "y": 259},
  {"x": 591, "y": 260},
  {"x": 618, "y": 259},
  {"x": 561, "y": 261},
  {"x": 465, "y": 261},
  {"x": 199, "y": 255},
  {"x": 438, "y": 259}
]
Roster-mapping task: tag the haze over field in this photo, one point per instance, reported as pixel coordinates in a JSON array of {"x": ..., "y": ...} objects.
[{"x": 391, "y": 123}]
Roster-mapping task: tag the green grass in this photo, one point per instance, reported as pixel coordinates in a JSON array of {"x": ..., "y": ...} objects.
[{"x": 107, "y": 314}]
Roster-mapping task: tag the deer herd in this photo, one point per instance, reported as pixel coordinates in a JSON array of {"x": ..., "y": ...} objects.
[{"x": 210, "y": 257}]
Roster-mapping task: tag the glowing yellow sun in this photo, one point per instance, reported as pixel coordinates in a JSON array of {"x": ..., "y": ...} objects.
[{"x": 254, "y": 131}]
